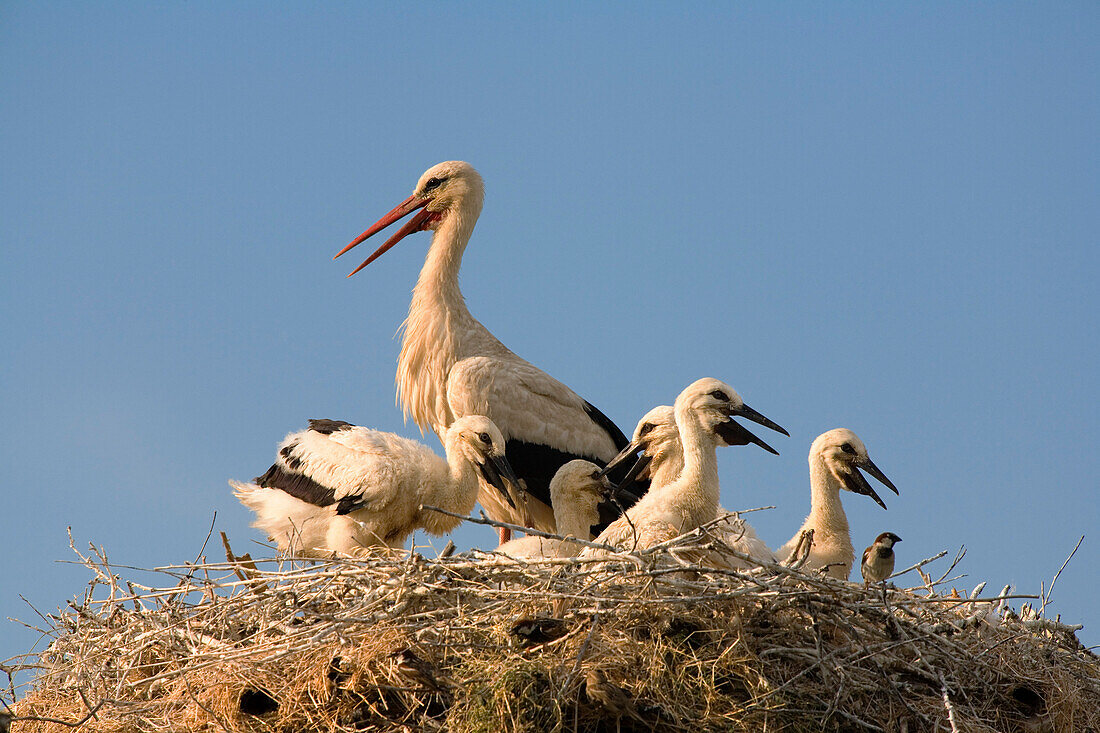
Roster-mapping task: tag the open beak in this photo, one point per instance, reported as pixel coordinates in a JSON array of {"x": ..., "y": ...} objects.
[
  {"x": 630, "y": 477},
  {"x": 614, "y": 493},
  {"x": 415, "y": 224},
  {"x": 872, "y": 469},
  {"x": 625, "y": 454},
  {"x": 496, "y": 470},
  {"x": 734, "y": 433},
  {"x": 854, "y": 481}
]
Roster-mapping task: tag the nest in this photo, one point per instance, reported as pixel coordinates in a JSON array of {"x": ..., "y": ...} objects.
[{"x": 479, "y": 642}]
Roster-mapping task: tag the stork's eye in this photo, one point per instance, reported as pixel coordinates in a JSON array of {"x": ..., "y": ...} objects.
[
  {"x": 486, "y": 439},
  {"x": 847, "y": 448},
  {"x": 433, "y": 183},
  {"x": 720, "y": 395},
  {"x": 646, "y": 428}
]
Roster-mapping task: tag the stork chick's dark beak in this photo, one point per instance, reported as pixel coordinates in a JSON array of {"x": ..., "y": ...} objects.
[
  {"x": 496, "y": 470},
  {"x": 869, "y": 466},
  {"x": 415, "y": 224},
  {"x": 625, "y": 455},
  {"x": 750, "y": 414},
  {"x": 854, "y": 481},
  {"x": 734, "y": 433},
  {"x": 615, "y": 492}
]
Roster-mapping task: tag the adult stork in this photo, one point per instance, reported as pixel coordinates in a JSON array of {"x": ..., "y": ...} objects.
[{"x": 451, "y": 366}]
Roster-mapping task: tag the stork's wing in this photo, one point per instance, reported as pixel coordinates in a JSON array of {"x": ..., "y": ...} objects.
[
  {"x": 338, "y": 463},
  {"x": 544, "y": 423}
]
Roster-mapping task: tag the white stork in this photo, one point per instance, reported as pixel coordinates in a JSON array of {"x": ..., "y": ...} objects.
[
  {"x": 338, "y": 487},
  {"x": 835, "y": 460},
  {"x": 692, "y": 498},
  {"x": 576, "y": 490},
  {"x": 450, "y": 365},
  {"x": 661, "y": 458}
]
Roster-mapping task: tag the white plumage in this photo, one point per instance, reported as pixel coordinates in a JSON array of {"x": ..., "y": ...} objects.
[
  {"x": 691, "y": 499},
  {"x": 576, "y": 490},
  {"x": 450, "y": 365},
  {"x": 658, "y": 438},
  {"x": 338, "y": 487},
  {"x": 835, "y": 460}
]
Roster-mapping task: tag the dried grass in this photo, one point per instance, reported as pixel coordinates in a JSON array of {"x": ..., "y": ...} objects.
[{"x": 407, "y": 642}]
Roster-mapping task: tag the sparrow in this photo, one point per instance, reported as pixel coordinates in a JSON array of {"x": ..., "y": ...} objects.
[
  {"x": 533, "y": 631},
  {"x": 417, "y": 671},
  {"x": 609, "y": 696},
  {"x": 878, "y": 559}
]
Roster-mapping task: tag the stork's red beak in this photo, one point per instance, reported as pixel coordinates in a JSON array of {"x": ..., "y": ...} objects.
[{"x": 415, "y": 224}]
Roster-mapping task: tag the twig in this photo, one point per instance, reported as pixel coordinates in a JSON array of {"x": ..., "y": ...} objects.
[
  {"x": 919, "y": 565},
  {"x": 58, "y": 721},
  {"x": 948, "y": 706},
  {"x": 1046, "y": 595},
  {"x": 518, "y": 528}
]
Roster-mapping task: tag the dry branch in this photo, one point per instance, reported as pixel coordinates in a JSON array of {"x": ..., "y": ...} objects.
[{"x": 355, "y": 644}]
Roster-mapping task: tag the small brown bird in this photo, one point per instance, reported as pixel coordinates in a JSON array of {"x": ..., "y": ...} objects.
[
  {"x": 532, "y": 631},
  {"x": 609, "y": 696},
  {"x": 417, "y": 671},
  {"x": 878, "y": 559}
]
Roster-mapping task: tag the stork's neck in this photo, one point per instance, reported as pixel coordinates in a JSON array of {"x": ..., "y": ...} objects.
[
  {"x": 826, "y": 511},
  {"x": 666, "y": 466},
  {"x": 438, "y": 282},
  {"x": 575, "y": 518},
  {"x": 455, "y": 491},
  {"x": 439, "y": 330},
  {"x": 697, "y": 487}
]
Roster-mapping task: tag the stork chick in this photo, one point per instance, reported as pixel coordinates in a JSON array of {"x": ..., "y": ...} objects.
[
  {"x": 878, "y": 559},
  {"x": 576, "y": 491},
  {"x": 451, "y": 365},
  {"x": 338, "y": 487},
  {"x": 661, "y": 459},
  {"x": 692, "y": 498},
  {"x": 835, "y": 459}
]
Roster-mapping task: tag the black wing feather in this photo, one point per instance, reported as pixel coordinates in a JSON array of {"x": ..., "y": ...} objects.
[
  {"x": 297, "y": 485},
  {"x": 536, "y": 464},
  {"x": 609, "y": 427},
  {"x": 287, "y": 477}
]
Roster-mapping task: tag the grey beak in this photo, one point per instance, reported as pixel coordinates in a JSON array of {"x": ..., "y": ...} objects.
[
  {"x": 750, "y": 414},
  {"x": 854, "y": 482},
  {"x": 615, "y": 493},
  {"x": 734, "y": 433},
  {"x": 631, "y": 476},
  {"x": 625, "y": 454},
  {"x": 496, "y": 471},
  {"x": 872, "y": 469}
]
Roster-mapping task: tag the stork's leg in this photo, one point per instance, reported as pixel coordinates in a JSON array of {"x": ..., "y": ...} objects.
[{"x": 505, "y": 534}]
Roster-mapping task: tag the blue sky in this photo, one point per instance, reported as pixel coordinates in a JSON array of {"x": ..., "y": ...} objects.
[{"x": 875, "y": 216}]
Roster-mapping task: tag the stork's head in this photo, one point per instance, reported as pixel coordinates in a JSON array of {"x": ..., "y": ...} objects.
[
  {"x": 580, "y": 484},
  {"x": 844, "y": 454},
  {"x": 715, "y": 402},
  {"x": 448, "y": 189},
  {"x": 479, "y": 441},
  {"x": 657, "y": 438}
]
